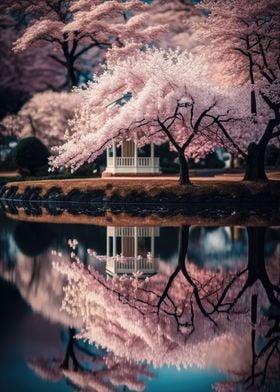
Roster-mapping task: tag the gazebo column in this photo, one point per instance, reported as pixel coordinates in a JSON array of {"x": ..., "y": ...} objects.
[
  {"x": 135, "y": 156},
  {"x": 135, "y": 249},
  {"x": 153, "y": 155},
  {"x": 107, "y": 155},
  {"x": 114, "y": 245},
  {"x": 153, "y": 243},
  {"x": 108, "y": 244},
  {"x": 114, "y": 156}
]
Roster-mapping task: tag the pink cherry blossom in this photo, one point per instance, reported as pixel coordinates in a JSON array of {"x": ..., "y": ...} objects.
[
  {"x": 46, "y": 116},
  {"x": 76, "y": 27}
]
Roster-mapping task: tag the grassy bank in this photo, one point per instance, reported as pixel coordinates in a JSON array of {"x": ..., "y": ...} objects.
[
  {"x": 153, "y": 187},
  {"x": 145, "y": 201}
]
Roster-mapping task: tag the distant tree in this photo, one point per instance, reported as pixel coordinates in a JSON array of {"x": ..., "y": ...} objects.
[
  {"x": 23, "y": 73},
  {"x": 46, "y": 116},
  {"x": 10, "y": 126},
  {"x": 74, "y": 27},
  {"x": 180, "y": 17}
]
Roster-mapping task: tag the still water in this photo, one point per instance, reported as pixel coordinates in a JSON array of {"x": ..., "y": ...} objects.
[{"x": 138, "y": 308}]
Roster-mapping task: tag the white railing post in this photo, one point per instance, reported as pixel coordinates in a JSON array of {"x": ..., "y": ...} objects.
[
  {"x": 114, "y": 246},
  {"x": 108, "y": 156}
]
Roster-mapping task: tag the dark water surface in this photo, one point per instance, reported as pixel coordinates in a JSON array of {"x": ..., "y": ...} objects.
[{"x": 133, "y": 308}]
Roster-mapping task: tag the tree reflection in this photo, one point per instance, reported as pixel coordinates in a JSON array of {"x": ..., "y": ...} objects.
[
  {"x": 7, "y": 244},
  {"x": 32, "y": 239},
  {"x": 70, "y": 354},
  {"x": 202, "y": 291},
  {"x": 93, "y": 371},
  {"x": 266, "y": 351},
  {"x": 265, "y": 335},
  {"x": 40, "y": 286},
  {"x": 227, "y": 318},
  {"x": 265, "y": 359},
  {"x": 190, "y": 311}
]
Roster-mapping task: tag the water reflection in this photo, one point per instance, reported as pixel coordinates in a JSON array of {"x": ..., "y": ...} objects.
[
  {"x": 144, "y": 297},
  {"x": 188, "y": 316},
  {"x": 131, "y": 249},
  {"x": 212, "y": 246},
  {"x": 91, "y": 370}
]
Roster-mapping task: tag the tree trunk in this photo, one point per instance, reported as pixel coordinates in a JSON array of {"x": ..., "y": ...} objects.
[
  {"x": 184, "y": 169},
  {"x": 255, "y": 163},
  {"x": 256, "y": 266},
  {"x": 70, "y": 354},
  {"x": 181, "y": 266},
  {"x": 256, "y": 262},
  {"x": 71, "y": 73},
  {"x": 183, "y": 245}
]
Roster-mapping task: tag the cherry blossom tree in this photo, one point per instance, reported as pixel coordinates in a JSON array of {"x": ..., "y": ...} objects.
[
  {"x": 27, "y": 72},
  {"x": 180, "y": 17},
  {"x": 10, "y": 126},
  {"x": 154, "y": 96},
  {"x": 74, "y": 27},
  {"x": 46, "y": 116},
  {"x": 244, "y": 38}
]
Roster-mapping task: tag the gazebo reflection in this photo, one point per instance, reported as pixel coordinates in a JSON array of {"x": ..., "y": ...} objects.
[{"x": 131, "y": 250}]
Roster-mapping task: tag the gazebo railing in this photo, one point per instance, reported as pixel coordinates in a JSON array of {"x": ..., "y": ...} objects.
[
  {"x": 119, "y": 231},
  {"x": 131, "y": 264},
  {"x": 130, "y": 162}
]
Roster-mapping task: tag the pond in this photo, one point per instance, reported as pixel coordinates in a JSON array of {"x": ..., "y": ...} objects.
[{"x": 129, "y": 305}]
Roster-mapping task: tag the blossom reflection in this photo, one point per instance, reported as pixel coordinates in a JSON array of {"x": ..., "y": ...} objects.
[{"x": 187, "y": 316}]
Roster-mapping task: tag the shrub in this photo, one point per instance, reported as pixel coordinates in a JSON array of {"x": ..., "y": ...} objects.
[
  {"x": 7, "y": 165},
  {"x": 30, "y": 154},
  {"x": 212, "y": 161},
  {"x": 272, "y": 155},
  {"x": 170, "y": 168}
]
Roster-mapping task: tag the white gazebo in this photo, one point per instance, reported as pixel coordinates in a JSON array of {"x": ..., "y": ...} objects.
[
  {"x": 127, "y": 159},
  {"x": 131, "y": 249}
]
